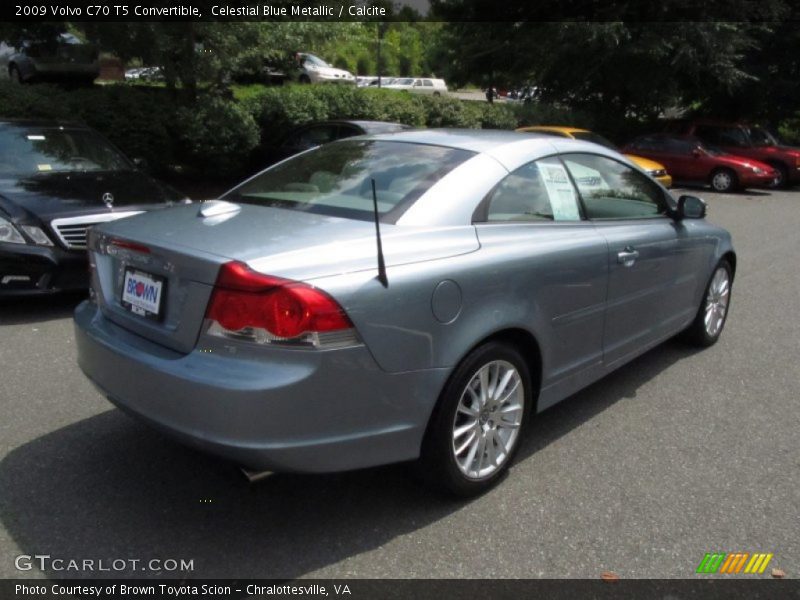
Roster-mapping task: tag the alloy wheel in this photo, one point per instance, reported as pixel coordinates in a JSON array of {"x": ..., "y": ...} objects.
[
  {"x": 488, "y": 420},
  {"x": 717, "y": 302}
]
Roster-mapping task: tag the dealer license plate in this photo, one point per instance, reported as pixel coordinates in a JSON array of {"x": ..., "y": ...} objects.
[{"x": 142, "y": 292}]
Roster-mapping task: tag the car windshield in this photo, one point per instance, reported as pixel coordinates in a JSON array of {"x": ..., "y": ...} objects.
[
  {"x": 336, "y": 179},
  {"x": 315, "y": 60},
  {"x": 28, "y": 151},
  {"x": 588, "y": 136}
]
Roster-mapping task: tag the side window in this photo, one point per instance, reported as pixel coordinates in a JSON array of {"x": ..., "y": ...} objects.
[
  {"x": 647, "y": 143},
  {"x": 537, "y": 191},
  {"x": 613, "y": 190},
  {"x": 722, "y": 136},
  {"x": 679, "y": 146}
]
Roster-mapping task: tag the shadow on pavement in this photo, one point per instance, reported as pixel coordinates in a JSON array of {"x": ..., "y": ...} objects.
[
  {"x": 108, "y": 487},
  {"x": 37, "y": 309}
]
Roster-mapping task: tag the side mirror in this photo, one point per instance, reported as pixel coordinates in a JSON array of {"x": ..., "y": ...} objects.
[
  {"x": 691, "y": 207},
  {"x": 696, "y": 152},
  {"x": 140, "y": 163}
]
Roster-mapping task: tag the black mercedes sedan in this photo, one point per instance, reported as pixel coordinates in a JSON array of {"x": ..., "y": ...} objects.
[{"x": 57, "y": 179}]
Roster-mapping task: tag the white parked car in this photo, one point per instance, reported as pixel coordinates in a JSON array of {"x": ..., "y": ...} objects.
[
  {"x": 384, "y": 82},
  {"x": 420, "y": 85},
  {"x": 315, "y": 70}
]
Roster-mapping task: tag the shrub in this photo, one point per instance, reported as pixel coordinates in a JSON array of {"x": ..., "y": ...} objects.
[
  {"x": 219, "y": 135},
  {"x": 789, "y": 131},
  {"x": 137, "y": 120},
  {"x": 497, "y": 116},
  {"x": 32, "y": 102},
  {"x": 451, "y": 112},
  {"x": 277, "y": 110},
  {"x": 538, "y": 113}
]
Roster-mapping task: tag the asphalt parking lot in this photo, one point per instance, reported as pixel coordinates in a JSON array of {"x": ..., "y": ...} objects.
[{"x": 678, "y": 454}]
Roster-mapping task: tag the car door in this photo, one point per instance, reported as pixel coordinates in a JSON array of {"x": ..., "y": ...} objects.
[
  {"x": 556, "y": 264},
  {"x": 648, "y": 295}
]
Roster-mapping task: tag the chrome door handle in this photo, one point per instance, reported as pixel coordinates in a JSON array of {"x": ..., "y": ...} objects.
[{"x": 627, "y": 256}]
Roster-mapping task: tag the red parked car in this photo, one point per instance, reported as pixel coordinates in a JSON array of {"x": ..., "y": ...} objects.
[
  {"x": 688, "y": 160},
  {"x": 745, "y": 140}
]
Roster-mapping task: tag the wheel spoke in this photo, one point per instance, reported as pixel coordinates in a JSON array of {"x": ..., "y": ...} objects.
[
  {"x": 501, "y": 387},
  {"x": 509, "y": 408},
  {"x": 511, "y": 392},
  {"x": 468, "y": 410},
  {"x": 467, "y": 443},
  {"x": 494, "y": 374},
  {"x": 467, "y": 464},
  {"x": 500, "y": 443},
  {"x": 484, "y": 386},
  {"x": 464, "y": 429},
  {"x": 491, "y": 454},
  {"x": 474, "y": 396},
  {"x": 480, "y": 454}
]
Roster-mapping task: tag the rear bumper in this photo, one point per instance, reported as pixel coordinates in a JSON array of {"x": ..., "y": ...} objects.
[
  {"x": 27, "y": 270},
  {"x": 293, "y": 410}
]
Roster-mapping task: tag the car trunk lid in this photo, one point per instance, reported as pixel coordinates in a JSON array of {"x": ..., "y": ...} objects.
[{"x": 184, "y": 247}]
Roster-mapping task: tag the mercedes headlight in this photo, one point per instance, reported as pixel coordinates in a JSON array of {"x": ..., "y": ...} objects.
[
  {"x": 9, "y": 233},
  {"x": 37, "y": 235}
]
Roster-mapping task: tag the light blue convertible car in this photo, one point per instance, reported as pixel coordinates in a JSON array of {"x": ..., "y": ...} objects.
[{"x": 397, "y": 297}]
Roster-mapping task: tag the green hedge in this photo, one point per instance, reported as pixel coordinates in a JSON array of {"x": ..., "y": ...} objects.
[
  {"x": 277, "y": 110},
  {"x": 213, "y": 137},
  {"x": 216, "y": 137},
  {"x": 138, "y": 120},
  {"x": 789, "y": 131}
]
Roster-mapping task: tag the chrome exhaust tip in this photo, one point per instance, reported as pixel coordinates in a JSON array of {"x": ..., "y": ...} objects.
[{"x": 255, "y": 476}]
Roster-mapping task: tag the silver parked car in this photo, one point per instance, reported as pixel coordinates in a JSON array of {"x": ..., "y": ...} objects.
[
  {"x": 62, "y": 58},
  {"x": 279, "y": 328}
]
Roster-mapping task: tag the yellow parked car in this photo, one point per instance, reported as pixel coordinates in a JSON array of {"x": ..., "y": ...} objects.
[{"x": 655, "y": 169}]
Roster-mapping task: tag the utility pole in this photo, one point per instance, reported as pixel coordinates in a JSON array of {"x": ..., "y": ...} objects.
[{"x": 381, "y": 30}]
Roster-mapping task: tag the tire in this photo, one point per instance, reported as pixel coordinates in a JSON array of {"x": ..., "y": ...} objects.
[
  {"x": 436, "y": 94},
  {"x": 783, "y": 175},
  {"x": 723, "y": 181},
  {"x": 700, "y": 332},
  {"x": 305, "y": 79},
  {"x": 469, "y": 445}
]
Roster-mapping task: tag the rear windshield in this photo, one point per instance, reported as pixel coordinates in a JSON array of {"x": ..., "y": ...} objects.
[
  {"x": 336, "y": 179},
  {"x": 28, "y": 151}
]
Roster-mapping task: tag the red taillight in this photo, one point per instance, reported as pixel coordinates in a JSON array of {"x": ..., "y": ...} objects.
[
  {"x": 285, "y": 309},
  {"x": 130, "y": 246}
]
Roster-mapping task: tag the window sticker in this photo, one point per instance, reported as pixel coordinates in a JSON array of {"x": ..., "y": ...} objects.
[
  {"x": 44, "y": 167},
  {"x": 560, "y": 191},
  {"x": 36, "y": 137}
]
